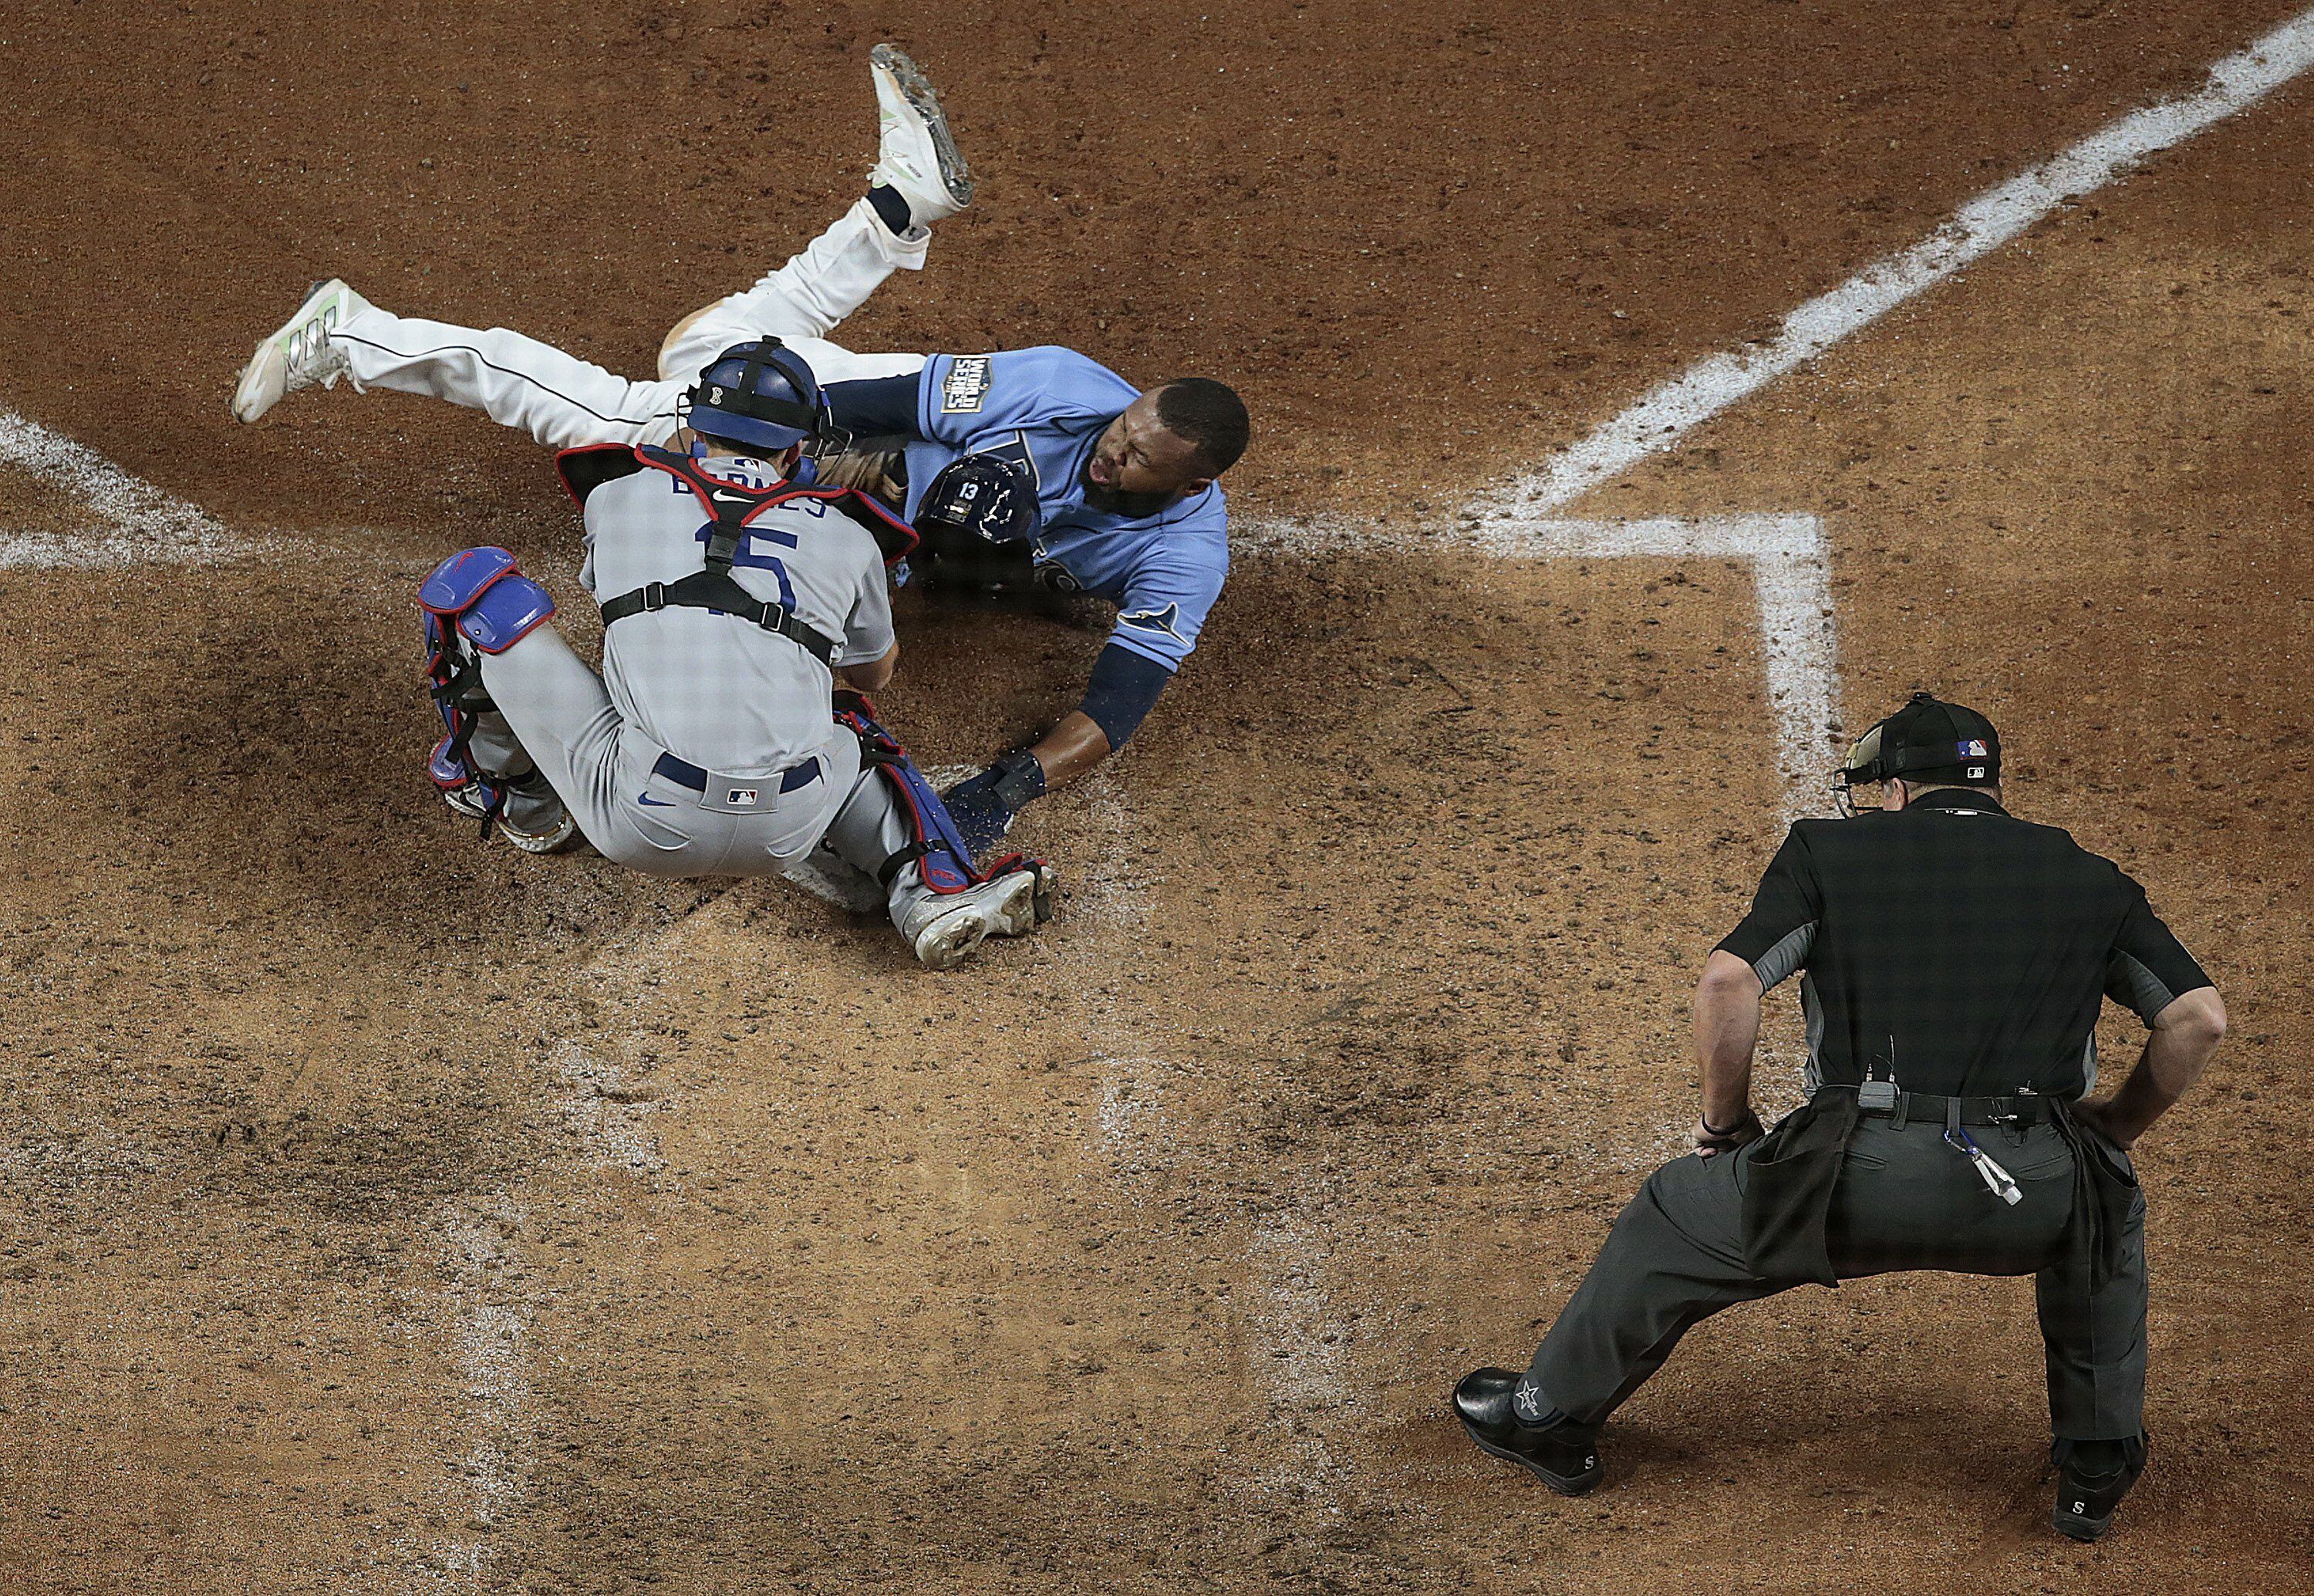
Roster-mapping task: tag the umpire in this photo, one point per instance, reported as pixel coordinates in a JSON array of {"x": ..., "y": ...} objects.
[{"x": 1955, "y": 959}]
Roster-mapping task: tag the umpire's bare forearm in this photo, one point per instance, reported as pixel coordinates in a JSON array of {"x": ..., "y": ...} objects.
[
  {"x": 2184, "y": 1035},
  {"x": 1726, "y": 1033}
]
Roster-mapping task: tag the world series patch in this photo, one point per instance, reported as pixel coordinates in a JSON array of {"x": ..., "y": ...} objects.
[{"x": 965, "y": 384}]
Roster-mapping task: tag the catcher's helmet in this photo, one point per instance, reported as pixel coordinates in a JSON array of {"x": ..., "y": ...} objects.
[
  {"x": 1927, "y": 740},
  {"x": 759, "y": 394},
  {"x": 985, "y": 495}
]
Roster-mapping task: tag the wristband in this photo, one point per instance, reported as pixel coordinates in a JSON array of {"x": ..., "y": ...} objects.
[
  {"x": 1750, "y": 1121},
  {"x": 1020, "y": 777}
]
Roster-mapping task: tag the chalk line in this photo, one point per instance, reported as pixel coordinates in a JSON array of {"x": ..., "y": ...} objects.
[
  {"x": 136, "y": 523},
  {"x": 608, "y": 1123},
  {"x": 1307, "y": 1369},
  {"x": 1790, "y": 557},
  {"x": 1792, "y": 571},
  {"x": 1668, "y": 413},
  {"x": 497, "y": 1430}
]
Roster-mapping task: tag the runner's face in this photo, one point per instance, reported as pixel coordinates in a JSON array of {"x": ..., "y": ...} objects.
[{"x": 1138, "y": 459}]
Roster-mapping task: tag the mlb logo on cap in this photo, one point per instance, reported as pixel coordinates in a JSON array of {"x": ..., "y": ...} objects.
[{"x": 1974, "y": 748}]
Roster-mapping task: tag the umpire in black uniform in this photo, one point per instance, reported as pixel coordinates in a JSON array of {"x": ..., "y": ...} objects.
[{"x": 1953, "y": 961}]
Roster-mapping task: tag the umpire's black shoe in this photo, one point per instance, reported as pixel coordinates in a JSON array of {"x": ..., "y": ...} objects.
[
  {"x": 1562, "y": 1456},
  {"x": 2086, "y": 1498}
]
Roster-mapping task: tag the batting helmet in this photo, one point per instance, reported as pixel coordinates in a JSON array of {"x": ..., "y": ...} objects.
[
  {"x": 985, "y": 495},
  {"x": 759, "y": 394}
]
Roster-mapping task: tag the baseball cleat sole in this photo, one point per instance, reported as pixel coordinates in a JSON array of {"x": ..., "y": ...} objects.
[
  {"x": 917, "y": 89},
  {"x": 296, "y": 354},
  {"x": 1014, "y": 908}
]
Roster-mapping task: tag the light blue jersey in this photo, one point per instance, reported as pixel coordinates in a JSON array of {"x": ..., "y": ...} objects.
[{"x": 1047, "y": 408}]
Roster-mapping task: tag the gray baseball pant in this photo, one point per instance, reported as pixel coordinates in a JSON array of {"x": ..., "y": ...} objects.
[
  {"x": 1905, "y": 1200},
  {"x": 554, "y": 710}
]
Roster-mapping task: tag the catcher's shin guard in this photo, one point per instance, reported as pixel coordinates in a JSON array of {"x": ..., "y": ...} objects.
[
  {"x": 937, "y": 851},
  {"x": 476, "y": 603}
]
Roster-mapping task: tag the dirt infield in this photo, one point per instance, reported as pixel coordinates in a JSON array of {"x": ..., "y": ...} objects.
[{"x": 393, "y": 1214}]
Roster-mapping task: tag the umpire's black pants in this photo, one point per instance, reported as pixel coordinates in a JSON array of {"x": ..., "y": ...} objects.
[{"x": 1905, "y": 1200}]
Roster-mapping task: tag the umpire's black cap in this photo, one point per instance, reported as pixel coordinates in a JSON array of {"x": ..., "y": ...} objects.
[{"x": 1927, "y": 740}]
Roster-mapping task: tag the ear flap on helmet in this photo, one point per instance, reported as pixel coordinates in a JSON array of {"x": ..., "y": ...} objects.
[{"x": 1863, "y": 767}]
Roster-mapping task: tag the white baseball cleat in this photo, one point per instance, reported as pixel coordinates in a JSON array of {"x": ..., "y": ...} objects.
[
  {"x": 944, "y": 931},
  {"x": 298, "y": 353},
  {"x": 916, "y": 153},
  {"x": 534, "y": 818}
]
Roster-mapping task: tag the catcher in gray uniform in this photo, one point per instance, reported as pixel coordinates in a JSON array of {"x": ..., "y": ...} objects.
[{"x": 746, "y": 613}]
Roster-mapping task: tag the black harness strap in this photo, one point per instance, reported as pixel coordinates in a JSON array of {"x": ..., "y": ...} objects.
[
  {"x": 893, "y": 865},
  {"x": 456, "y": 677},
  {"x": 875, "y": 751},
  {"x": 714, "y": 588}
]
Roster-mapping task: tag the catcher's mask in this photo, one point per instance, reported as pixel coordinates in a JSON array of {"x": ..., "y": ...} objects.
[
  {"x": 985, "y": 497},
  {"x": 1928, "y": 740},
  {"x": 761, "y": 395}
]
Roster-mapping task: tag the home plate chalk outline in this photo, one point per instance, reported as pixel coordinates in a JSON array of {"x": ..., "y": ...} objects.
[
  {"x": 1791, "y": 567},
  {"x": 136, "y": 523}
]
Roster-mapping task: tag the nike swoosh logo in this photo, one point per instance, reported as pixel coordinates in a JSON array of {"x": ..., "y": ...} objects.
[
  {"x": 644, "y": 798},
  {"x": 730, "y": 498}
]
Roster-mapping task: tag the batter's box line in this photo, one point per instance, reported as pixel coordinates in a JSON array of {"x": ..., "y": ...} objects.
[
  {"x": 136, "y": 522},
  {"x": 1790, "y": 561},
  {"x": 1791, "y": 571}
]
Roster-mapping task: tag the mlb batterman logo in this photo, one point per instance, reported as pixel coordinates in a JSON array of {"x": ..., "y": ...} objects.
[
  {"x": 1974, "y": 748},
  {"x": 743, "y": 798}
]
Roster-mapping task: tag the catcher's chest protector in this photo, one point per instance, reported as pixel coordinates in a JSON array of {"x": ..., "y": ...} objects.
[{"x": 729, "y": 507}]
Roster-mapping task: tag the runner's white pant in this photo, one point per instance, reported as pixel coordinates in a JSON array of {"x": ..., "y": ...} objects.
[
  {"x": 564, "y": 401},
  {"x": 554, "y": 709}
]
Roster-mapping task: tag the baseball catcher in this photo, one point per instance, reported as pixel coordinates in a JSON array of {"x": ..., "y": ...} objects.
[{"x": 736, "y": 600}]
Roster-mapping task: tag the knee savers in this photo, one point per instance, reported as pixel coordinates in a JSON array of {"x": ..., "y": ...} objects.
[
  {"x": 485, "y": 596},
  {"x": 937, "y": 850}
]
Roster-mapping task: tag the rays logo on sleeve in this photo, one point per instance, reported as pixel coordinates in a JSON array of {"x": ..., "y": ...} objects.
[{"x": 1163, "y": 621}]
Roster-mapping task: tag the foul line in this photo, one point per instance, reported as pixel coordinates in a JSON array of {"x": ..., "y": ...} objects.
[
  {"x": 138, "y": 523},
  {"x": 1665, "y": 413}
]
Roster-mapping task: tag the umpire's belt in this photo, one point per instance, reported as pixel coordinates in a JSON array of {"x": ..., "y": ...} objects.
[
  {"x": 2023, "y": 1110},
  {"x": 719, "y": 593},
  {"x": 736, "y": 792}
]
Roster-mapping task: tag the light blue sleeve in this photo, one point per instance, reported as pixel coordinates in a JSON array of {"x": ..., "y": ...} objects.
[
  {"x": 1165, "y": 605},
  {"x": 961, "y": 397}
]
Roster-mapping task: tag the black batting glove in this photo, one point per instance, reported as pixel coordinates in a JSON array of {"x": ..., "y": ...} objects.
[{"x": 982, "y": 805}]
